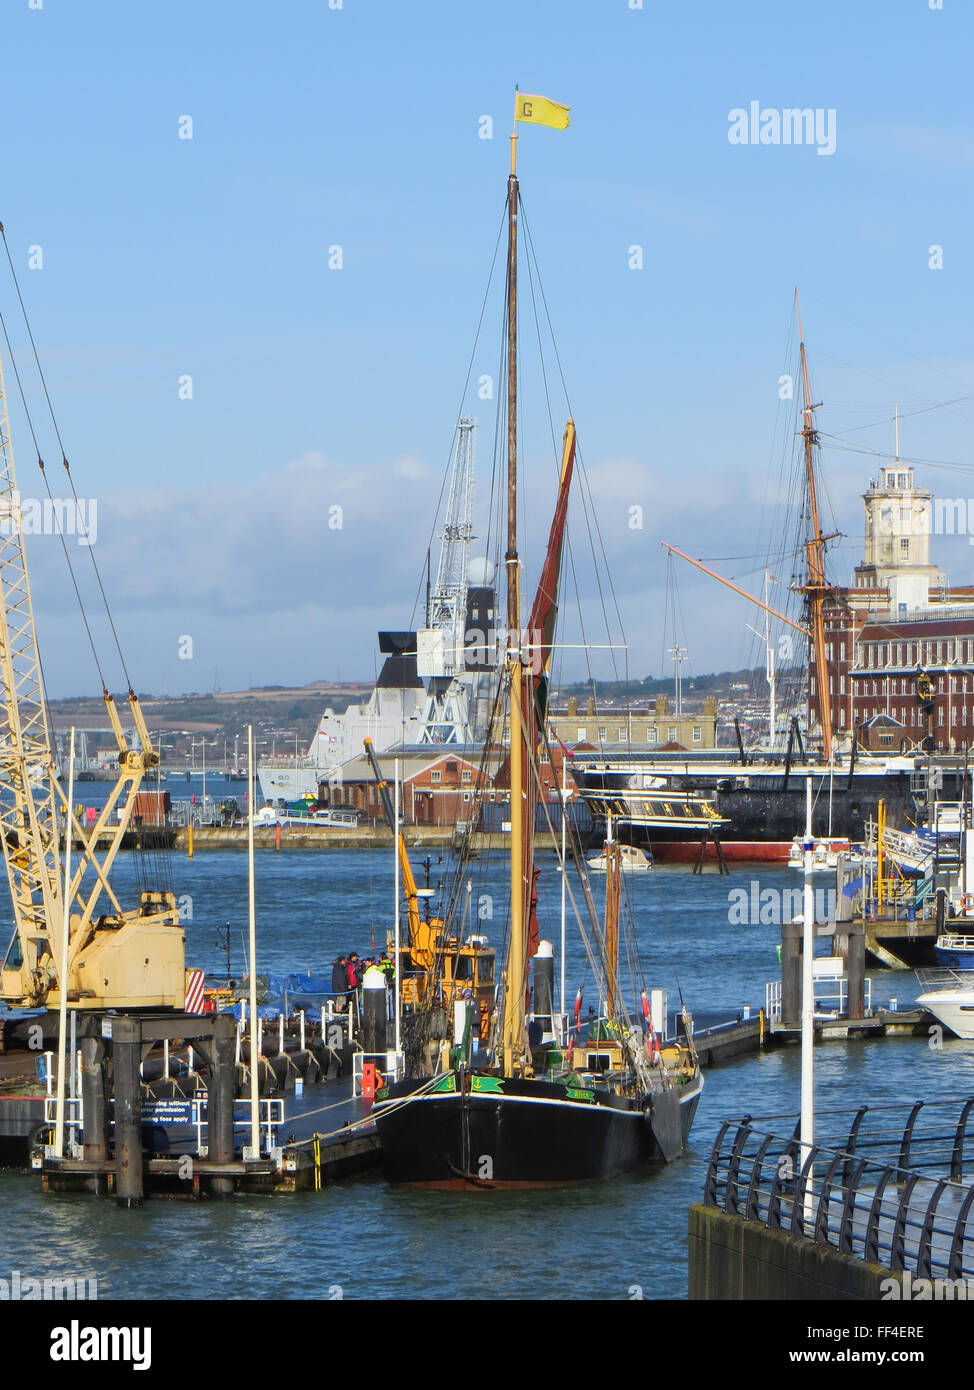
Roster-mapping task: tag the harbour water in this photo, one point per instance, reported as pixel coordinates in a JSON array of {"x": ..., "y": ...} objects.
[{"x": 365, "y": 1239}]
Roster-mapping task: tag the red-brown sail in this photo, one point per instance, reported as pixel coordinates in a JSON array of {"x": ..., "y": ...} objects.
[{"x": 541, "y": 635}]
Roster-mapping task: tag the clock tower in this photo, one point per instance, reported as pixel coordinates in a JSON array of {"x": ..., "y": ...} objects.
[{"x": 898, "y": 526}]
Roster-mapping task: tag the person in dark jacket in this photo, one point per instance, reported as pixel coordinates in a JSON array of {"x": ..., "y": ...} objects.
[{"x": 339, "y": 982}]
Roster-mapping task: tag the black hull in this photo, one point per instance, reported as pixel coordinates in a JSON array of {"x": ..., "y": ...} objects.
[
  {"x": 524, "y": 1134},
  {"x": 762, "y": 807}
]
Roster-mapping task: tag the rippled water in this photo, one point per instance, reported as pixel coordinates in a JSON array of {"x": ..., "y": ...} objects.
[{"x": 376, "y": 1241}]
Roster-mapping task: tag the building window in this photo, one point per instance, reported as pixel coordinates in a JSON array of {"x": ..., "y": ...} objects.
[
  {"x": 842, "y": 718},
  {"x": 436, "y": 776},
  {"x": 904, "y": 547},
  {"x": 940, "y": 716},
  {"x": 697, "y": 734},
  {"x": 602, "y": 733},
  {"x": 621, "y": 736},
  {"x": 466, "y": 796},
  {"x": 581, "y": 735},
  {"x": 842, "y": 685},
  {"x": 671, "y": 733},
  {"x": 466, "y": 775},
  {"x": 651, "y": 734}
]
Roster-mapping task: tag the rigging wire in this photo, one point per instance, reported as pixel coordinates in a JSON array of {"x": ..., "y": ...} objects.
[
  {"x": 64, "y": 460},
  {"x": 54, "y": 511},
  {"x": 463, "y": 396}
]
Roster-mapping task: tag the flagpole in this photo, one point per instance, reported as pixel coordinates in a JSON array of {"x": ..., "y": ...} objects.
[
  {"x": 252, "y": 915},
  {"x": 514, "y": 135}
]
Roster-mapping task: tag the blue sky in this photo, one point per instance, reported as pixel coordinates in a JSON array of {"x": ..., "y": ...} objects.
[{"x": 358, "y": 127}]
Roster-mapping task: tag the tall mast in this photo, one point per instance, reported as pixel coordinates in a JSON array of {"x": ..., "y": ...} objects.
[
  {"x": 769, "y": 659},
  {"x": 815, "y": 587},
  {"x": 513, "y": 1016},
  {"x": 612, "y": 871}
]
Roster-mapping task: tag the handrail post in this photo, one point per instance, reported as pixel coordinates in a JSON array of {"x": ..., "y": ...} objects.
[
  {"x": 777, "y": 1187},
  {"x": 822, "y": 1216},
  {"x": 898, "y": 1239},
  {"x": 955, "y": 1266},
  {"x": 871, "y": 1242},
  {"x": 751, "y": 1210},
  {"x": 957, "y": 1155},
  {"x": 908, "y": 1135},
  {"x": 925, "y": 1247},
  {"x": 710, "y": 1186},
  {"x": 798, "y": 1210},
  {"x": 853, "y": 1139},
  {"x": 851, "y": 1182},
  {"x": 733, "y": 1168}
]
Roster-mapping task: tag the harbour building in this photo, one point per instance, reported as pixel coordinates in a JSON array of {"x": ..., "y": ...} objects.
[{"x": 900, "y": 640}]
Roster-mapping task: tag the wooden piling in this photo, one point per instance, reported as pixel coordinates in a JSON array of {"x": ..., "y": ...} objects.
[
  {"x": 93, "y": 1100},
  {"x": 219, "y": 1111},
  {"x": 856, "y": 970},
  {"x": 126, "y": 1053},
  {"x": 791, "y": 974}
]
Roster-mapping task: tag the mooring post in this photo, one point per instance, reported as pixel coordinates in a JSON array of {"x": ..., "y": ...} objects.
[
  {"x": 93, "y": 1100},
  {"x": 219, "y": 1109},
  {"x": 791, "y": 974},
  {"x": 126, "y": 1053},
  {"x": 374, "y": 1015},
  {"x": 856, "y": 969}
]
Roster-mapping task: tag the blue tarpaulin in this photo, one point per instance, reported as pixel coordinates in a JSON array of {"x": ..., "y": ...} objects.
[{"x": 278, "y": 985}]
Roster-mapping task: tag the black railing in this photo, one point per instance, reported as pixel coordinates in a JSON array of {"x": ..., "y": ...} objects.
[{"x": 884, "y": 1183}]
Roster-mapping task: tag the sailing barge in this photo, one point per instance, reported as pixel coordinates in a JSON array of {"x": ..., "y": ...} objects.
[{"x": 526, "y": 1111}]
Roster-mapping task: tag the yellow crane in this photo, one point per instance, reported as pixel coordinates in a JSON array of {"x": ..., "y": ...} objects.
[{"x": 117, "y": 958}]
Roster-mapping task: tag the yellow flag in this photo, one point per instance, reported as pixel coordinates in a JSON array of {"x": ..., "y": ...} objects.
[{"x": 541, "y": 111}]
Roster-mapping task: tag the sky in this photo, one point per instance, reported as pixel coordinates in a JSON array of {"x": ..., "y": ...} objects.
[{"x": 222, "y": 385}]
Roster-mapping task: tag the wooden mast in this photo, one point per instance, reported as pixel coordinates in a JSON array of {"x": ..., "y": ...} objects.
[
  {"x": 513, "y": 1014},
  {"x": 612, "y": 885},
  {"x": 815, "y": 587}
]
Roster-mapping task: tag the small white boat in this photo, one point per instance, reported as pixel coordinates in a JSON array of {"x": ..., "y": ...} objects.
[
  {"x": 953, "y": 1007},
  {"x": 634, "y": 859}
]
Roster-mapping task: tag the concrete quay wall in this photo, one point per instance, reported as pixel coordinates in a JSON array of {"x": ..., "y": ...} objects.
[{"x": 730, "y": 1258}]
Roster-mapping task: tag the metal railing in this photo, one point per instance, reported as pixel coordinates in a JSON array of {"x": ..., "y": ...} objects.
[
  {"x": 883, "y": 1183},
  {"x": 831, "y": 998}
]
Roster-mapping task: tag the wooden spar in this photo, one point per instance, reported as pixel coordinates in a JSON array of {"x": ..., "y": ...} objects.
[
  {"x": 512, "y": 1031},
  {"x": 743, "y": 592},
  {"x": 816, "y": 587},
  {"x": 612, "y": 886}
]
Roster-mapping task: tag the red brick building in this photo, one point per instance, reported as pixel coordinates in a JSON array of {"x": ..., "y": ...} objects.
[
  {"x": 437, "y": 787},
  {"x": 899, "y": 619}
]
